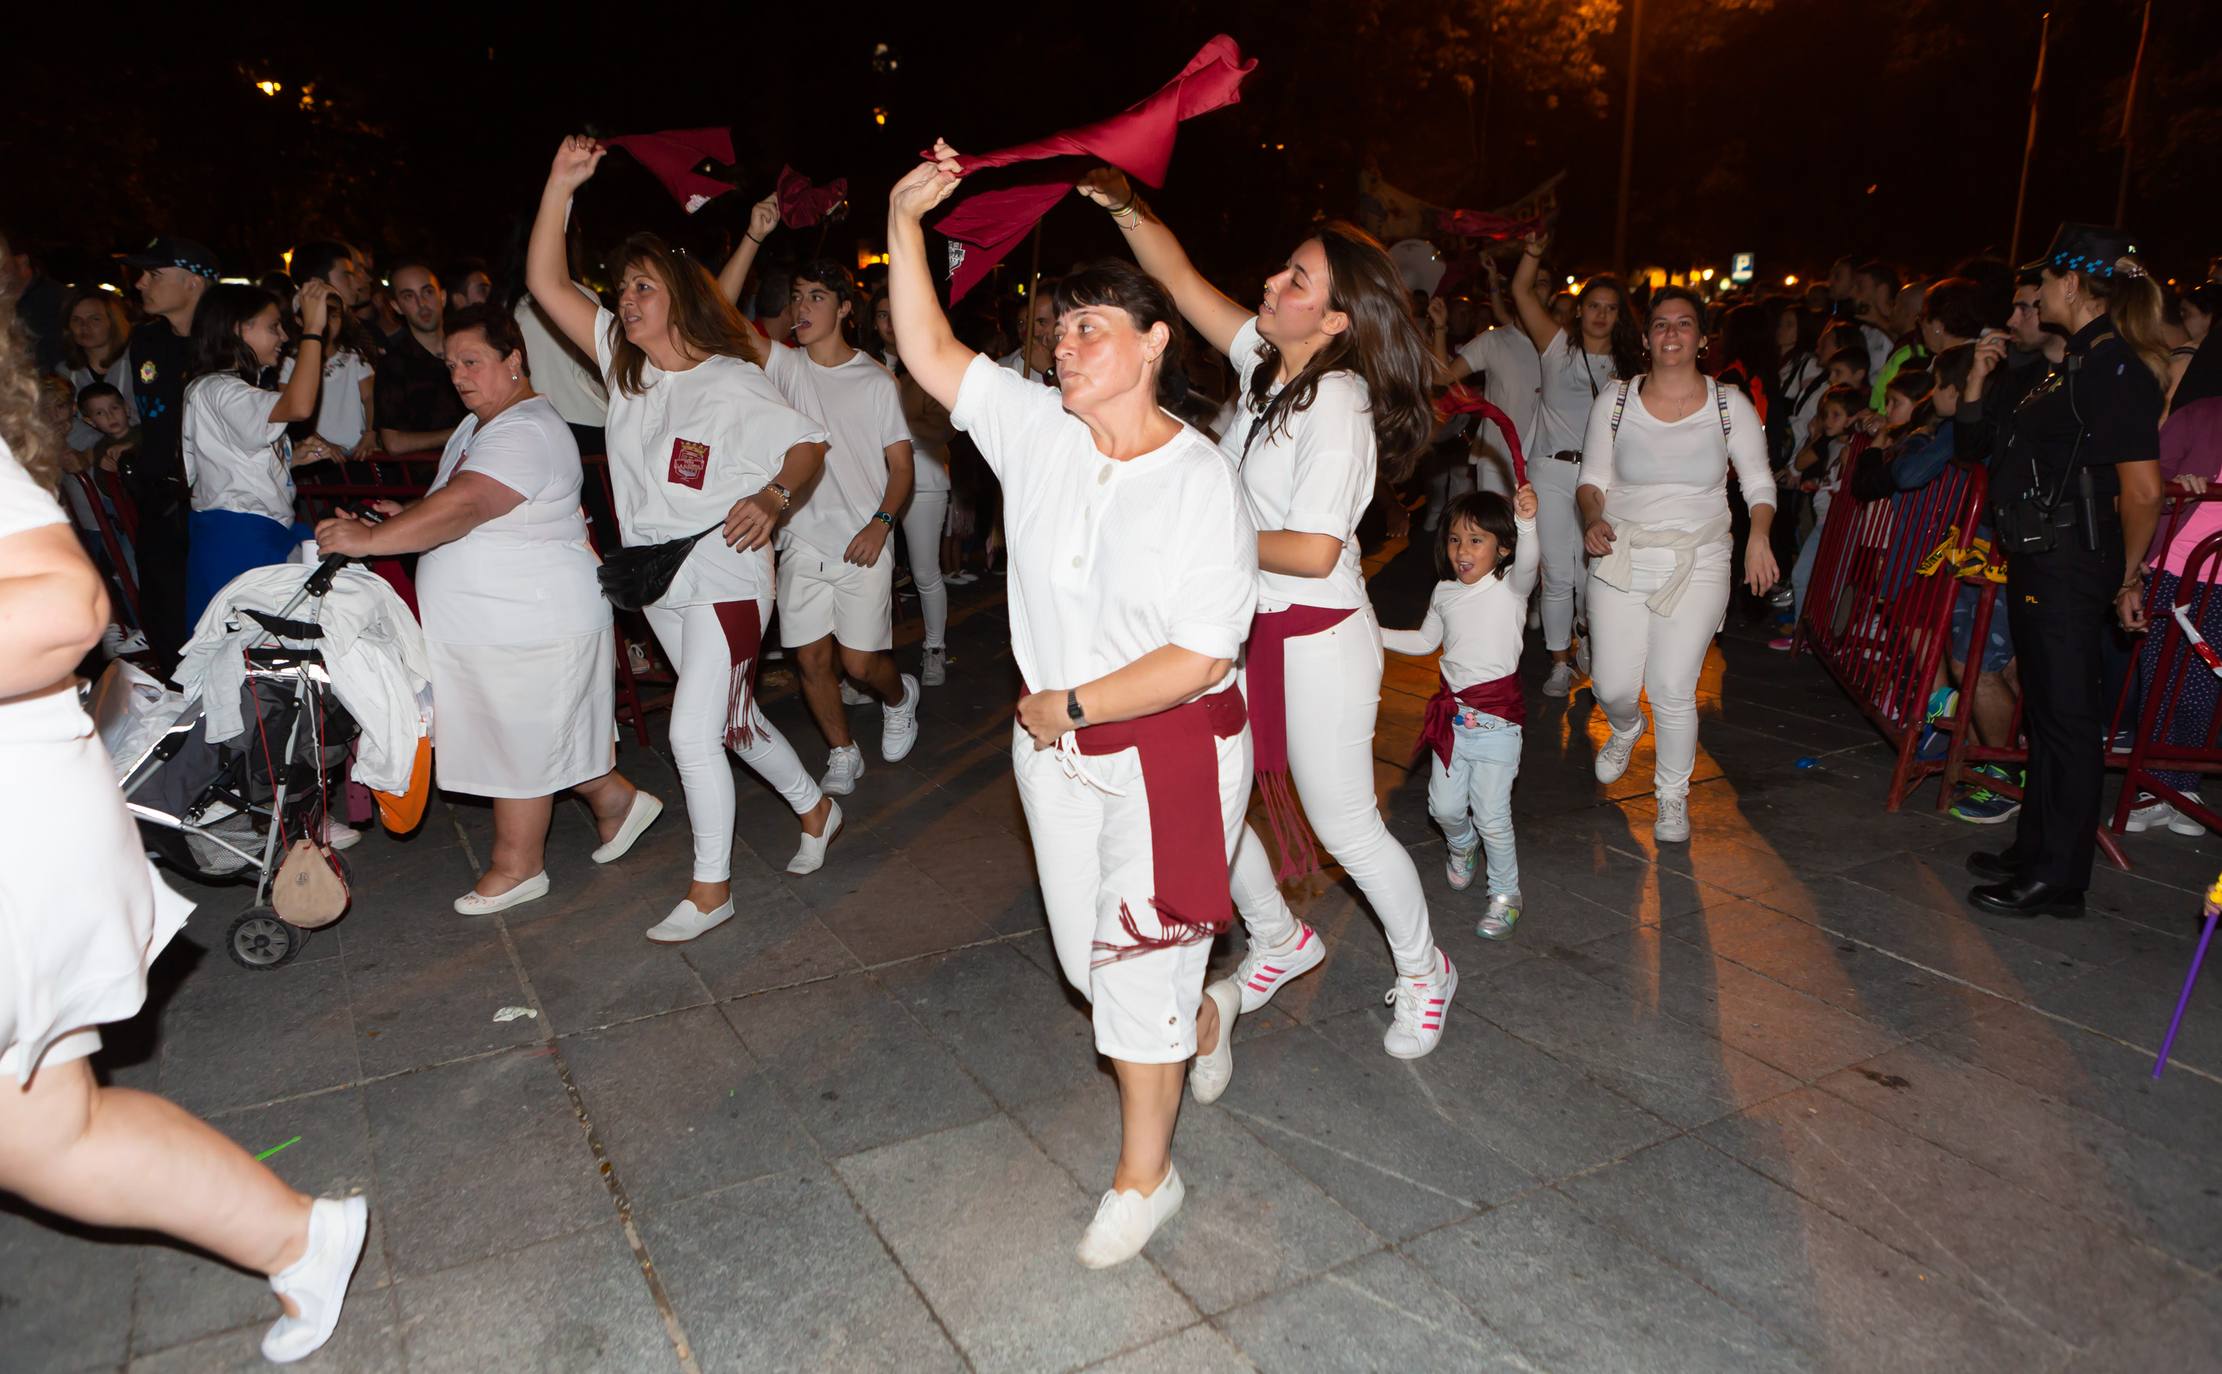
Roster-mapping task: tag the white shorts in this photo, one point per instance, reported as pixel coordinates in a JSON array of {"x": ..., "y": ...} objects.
[
  {"x": 1093, "y": 855},
  {"x": 820, "y": 596}
]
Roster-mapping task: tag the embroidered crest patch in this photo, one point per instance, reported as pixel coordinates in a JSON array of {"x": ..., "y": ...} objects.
[{"x": 689, "y": 461}]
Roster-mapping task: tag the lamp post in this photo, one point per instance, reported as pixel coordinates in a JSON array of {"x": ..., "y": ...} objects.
[{"x": 1627, "y": 136}]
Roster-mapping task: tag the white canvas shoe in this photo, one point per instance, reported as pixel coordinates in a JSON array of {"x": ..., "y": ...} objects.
[
  {"x": 1561, "y": 681},
  {"x": 531, "y": 889},
  {"x": 688, "y": 921},
  {"x": 1612, "y": 760},
  {"x": 1124, "y": 1222},
  {"x": 1673, "y": 823},
  {"x": 810, "y": 855},
  {"x": 638, "y": 817},
  {"x": 317, "y": 1282},
  {"x": 1209, "y": 1074}
]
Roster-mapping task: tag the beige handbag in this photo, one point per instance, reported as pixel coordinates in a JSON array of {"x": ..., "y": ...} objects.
[{"x": 309, "y": 891}]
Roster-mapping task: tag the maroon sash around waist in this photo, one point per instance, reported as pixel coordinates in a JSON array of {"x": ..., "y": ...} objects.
[
  {"x": 1188, "y": 840},
  {"x": 1265, "y": 664},
  {"x": 1499, "y": 696}
]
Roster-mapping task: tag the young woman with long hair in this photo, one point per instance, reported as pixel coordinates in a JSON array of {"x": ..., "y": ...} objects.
[
  {"x": 1580, "y": 362},
  {"x": 1335, "y": 392},
  {"x": 1654, "y": 499},
  {"x": 700, "y": 444}
]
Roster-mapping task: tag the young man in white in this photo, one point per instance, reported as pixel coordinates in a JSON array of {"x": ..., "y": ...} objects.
[{"x": 836, "y": 571}]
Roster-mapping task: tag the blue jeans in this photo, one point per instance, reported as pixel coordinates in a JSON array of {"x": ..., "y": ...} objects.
[
  {"x": 1802, "y": 573},
  {"x": 1484, "y": 760}
]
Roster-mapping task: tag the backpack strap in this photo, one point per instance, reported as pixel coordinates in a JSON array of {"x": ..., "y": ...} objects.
[
  {"x": 1619, "y": 406},
  {"x": 1720, "y": 402}
]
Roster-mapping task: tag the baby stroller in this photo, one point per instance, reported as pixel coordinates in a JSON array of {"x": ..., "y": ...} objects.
[{"x": 220, "y": 806}]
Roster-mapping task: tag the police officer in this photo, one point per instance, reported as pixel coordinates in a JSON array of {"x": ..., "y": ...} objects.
[{"x": 2075, "y": 491}]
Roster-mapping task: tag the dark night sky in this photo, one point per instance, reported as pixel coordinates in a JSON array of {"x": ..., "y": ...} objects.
[{"x": 1758, "y": 131}]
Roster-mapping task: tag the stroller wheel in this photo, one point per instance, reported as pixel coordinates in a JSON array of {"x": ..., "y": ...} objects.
[{"x": 260, "y": 941}]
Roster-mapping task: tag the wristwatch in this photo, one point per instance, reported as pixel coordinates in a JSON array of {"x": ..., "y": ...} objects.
[
  {"x": 1072, "y": 707},
  {"x": 884, "y": 518}
]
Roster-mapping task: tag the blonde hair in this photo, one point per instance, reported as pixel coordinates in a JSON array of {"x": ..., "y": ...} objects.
[
  {"x": 35, "y": 446},
  {"x": 2133, "y": 301}
]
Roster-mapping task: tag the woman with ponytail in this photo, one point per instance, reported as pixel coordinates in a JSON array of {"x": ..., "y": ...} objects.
[
  {"x": 2076, "y": 489},
  {"x": 1335, "y": 391}
]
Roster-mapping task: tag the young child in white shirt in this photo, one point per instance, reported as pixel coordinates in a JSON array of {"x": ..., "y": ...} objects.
[{"x": 1478, "y": 617}]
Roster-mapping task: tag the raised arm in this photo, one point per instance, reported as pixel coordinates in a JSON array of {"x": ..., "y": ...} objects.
[
  {"x": 1214, "y": 316},
  {"x": 547, "y": 270},
  {"x": 763, "y": 217},
  {"x": 297, "y": 399},
  {"x": 923, "y": 338},
  {"x": 1535, "y": 321}
]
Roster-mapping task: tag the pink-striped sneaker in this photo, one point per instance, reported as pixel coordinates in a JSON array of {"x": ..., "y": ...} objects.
[
  {"x": 1263, "y": 970},
  {"x": 1416, "y": 1026}
]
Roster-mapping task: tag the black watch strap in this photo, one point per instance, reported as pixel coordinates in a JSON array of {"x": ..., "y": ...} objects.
[{"x": 1072, "y": 706}]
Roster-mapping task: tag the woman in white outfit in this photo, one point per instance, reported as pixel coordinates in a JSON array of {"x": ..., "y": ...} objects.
[
  {"x": 1654, "y": 499},
  {"x": 1579, "y": 364},
  {"x": 518, "y": 633},
  {"x": 1335, "y": 383},
  {"x": 700, "y": 444},
  {"x": 82, "y": 916},
  {"x": 1133, "y": 575}
]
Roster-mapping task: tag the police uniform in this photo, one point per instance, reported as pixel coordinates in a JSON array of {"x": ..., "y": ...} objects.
[{"x": 2061, "y": 443}]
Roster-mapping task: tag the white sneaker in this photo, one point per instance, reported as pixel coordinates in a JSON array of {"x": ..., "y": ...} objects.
[
  {"x": 1503, "y": 914},
  {"x": 961, "y": 579},
  {"x": 2182, "y": 824},
  {"x": 1459, "y": 865},
  {"x": 531, "y": 889},
  {"x": 688, "y": 921},
  {"x": 852, "y": 695},
  {"x": 1416, "y": 1026},
  {"x": 1612, "y": 760},
  {"x": 2151, "y": 811},
  {"x": 1263, "y": 970},
  {"x": 933, "y": 666},
  {"x": 1209, "y": 1074},
  {"x": 1124, "y": 1222},
  {"x": 843, "y": 767},
  {"x": 1581, "y": 654},
  {"x": 118, "y": 642},
  {"x": 1673, "y": 823},
  {"x": 317, "y": 1282},
  {"x": 1561, "y": 680},
  {"x": 639, "y": 816},
  {"x": 340, "y": 835},
  {"x": 899, "y": 723},
  {"x": 810, "y": 855}
]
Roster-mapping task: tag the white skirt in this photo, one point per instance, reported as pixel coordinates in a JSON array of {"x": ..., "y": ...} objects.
[
  {"x": 523, "y": 720},
  {"x": 82, "y": 913}
]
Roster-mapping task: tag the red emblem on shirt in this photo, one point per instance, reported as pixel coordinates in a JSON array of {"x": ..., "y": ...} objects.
[{"x": 689, "y": 460}]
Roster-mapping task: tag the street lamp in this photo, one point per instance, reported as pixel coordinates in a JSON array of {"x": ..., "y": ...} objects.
[{"x": 269, "y": 87}]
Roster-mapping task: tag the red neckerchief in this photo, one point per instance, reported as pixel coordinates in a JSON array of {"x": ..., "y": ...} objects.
[
  {"x": 802, "y": 204},
  {"x": 673, "y": 155}
]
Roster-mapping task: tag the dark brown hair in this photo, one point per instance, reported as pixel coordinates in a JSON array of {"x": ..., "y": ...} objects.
[
  {"x": 703, "y": 319},
  {"x": 1382, "y": 347},
  {"x": 1115, "y": 284},
  {"x": 498, "y": 327}
]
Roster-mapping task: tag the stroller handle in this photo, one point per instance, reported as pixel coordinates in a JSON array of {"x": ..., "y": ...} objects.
[{"x": 320, "y": 581}]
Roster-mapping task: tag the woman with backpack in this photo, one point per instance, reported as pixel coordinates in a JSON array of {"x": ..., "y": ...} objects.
[{"x": 1654, "y": 502}]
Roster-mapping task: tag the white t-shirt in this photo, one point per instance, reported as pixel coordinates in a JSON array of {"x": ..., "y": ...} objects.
[
  {"x": 1879, "y": 347},
  {"x": 1480, "y": 626},
  {"x": 1015, "y": 360},
  {"x": 1109, "y": 560},
  {"x": 236, "y": 457},
  {"x": 339, "y": 399},
  {"x": 24, "y": 504},
  {"x": 1676, "y": 475},
  {"x": 1512, "y": 381},
  {"x": 1573, "y": 380},
  {"x": 1313, "y": 475},
  {"x": 684, "y": 450},
  {"x": 860, "y": 407},
  {"x": 557, "y": 373},
  {"x": 526, "y": 576}
]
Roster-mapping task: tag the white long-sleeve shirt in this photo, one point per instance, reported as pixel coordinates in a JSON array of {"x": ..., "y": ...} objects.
[
  {"x": 1675, "y": 476},
  {"x": 1478, "y": 625}
]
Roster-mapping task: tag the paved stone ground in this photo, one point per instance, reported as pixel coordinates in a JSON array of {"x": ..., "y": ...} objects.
[{"x": 1768, "y": 1101}]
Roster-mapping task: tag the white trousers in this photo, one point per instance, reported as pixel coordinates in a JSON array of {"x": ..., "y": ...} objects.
[
  {"x": 1092, "y": 849},
  {"x": 1334, "y": 694},
  {"x": 923, "y": 519},
  {"x": 1558, "y": 528},
  {"x": 1633, "y": 649},
  {"x": 694, "y": 642}
]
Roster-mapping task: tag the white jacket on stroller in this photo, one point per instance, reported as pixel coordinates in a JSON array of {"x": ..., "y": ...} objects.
[{"x": 373, "y": 650}]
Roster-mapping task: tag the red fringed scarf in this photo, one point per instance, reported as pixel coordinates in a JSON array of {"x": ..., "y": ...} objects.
[
  {"x": 802, "y": 204},
  {"x": 1464, "y": 400},
  {"x": 1265, "y": 664},
  {"x": 983, "y": 229},
  {"x": 1188, "y": 843},
  {"x": 744, "y": 640},
  {"x": 1500, "y": 697},
  {"x": 673, "y": 156}
]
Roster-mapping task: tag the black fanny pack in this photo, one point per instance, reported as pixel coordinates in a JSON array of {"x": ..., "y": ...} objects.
[{"x": 637, "y": 577}]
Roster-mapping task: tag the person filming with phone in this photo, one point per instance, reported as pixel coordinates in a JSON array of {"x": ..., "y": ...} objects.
[{"x": 2075, "y": 491}]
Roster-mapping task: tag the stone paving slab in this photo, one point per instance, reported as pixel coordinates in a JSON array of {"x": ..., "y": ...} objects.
[{"x": 1772, "y": 1100}]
